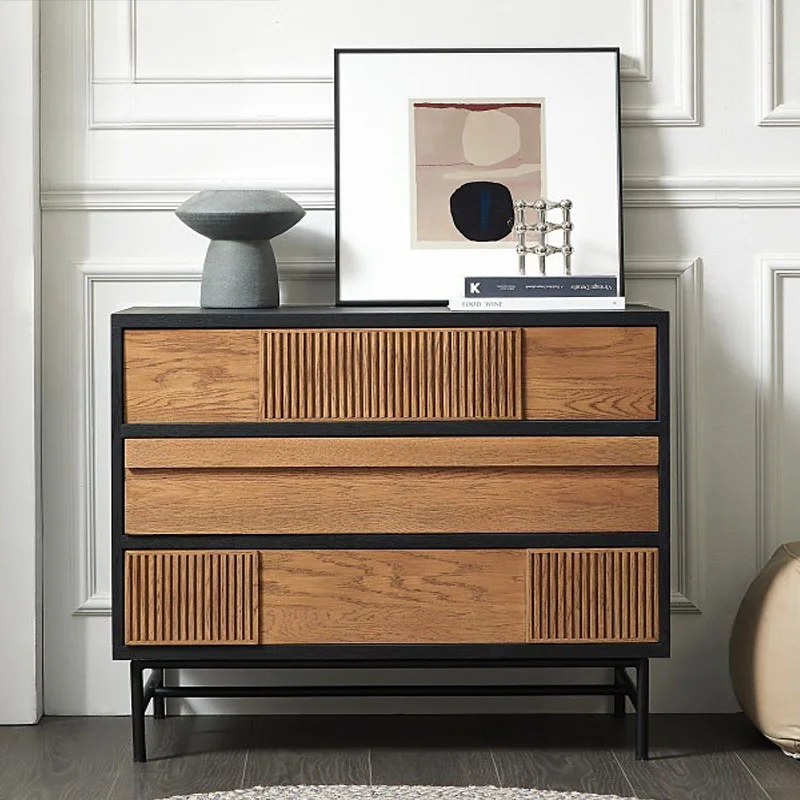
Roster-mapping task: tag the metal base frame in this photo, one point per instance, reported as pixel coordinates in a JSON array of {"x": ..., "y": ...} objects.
[{"x": 623, "y": 687}]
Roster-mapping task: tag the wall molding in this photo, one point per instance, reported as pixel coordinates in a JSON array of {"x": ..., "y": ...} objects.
[
  {"x": 688, "y": 534},
  {"x": 165, "y": 197},
  {"x": 639, "y": 66},
  {"x": 135, "y": 77},
  {"x": 127, "y": 92},
  {"x": 88, "y": 599},
  {"x": 771, "y": 108},
  {"x": 127, "y": 89},
  {"x": 712, "y": 191},
  {"x": 683, "y": 111},
  {"x": 691, "y": 191},
  {"x": 773, "y": 272}
]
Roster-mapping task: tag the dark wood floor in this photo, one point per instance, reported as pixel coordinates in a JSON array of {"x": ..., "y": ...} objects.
[{"x": 88, "y": 758}]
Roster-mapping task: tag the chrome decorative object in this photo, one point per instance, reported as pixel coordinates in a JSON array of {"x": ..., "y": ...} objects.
[{"x": 542, "y": 227}]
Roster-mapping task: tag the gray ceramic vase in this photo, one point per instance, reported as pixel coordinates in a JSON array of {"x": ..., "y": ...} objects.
[{"x": 239, "y": 270}]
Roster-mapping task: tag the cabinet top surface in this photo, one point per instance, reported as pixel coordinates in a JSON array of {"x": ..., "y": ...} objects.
[{"x": 392, "y": 316}]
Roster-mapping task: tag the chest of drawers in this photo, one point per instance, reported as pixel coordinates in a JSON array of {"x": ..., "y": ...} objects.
[{"x": 389, "y": 487}]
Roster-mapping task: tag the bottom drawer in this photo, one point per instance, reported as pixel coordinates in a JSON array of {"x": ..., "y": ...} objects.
[{"x": 201, "y": 597}]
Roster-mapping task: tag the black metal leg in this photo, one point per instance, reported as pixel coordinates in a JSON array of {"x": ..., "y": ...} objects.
[
  {"x": 642, "y": 708},
  {"x": 619, "y": 699},
  {"x": 159, "y": 702},
  {"x": 137, "y": 712},
  {"x": 622, "y": 689}
]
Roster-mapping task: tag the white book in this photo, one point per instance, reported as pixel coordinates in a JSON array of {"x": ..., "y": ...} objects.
[{"x": 537, "y": 304}]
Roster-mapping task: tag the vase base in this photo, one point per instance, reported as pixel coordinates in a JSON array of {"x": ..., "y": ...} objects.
[{"x": 240, "y": 274}]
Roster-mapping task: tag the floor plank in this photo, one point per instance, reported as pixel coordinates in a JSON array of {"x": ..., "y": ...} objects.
[
  {"x": 433, "y": 766},
  {"x": 676, "y": 777},
  {"x": 705, "y": 732},
  {"x": 594, "y": 771},
  {"x": 305, "y": 750},
  {"x": 434, "y": 750},
  {"x": 186, "y": 755},
  {"x": 7, "y": 734},
  {"x": 583, "y": 731},
  {"x": 416, "y": 730},
  {"x": 770, "y": 767},
  {"x": 692, "y": 758},
  {"x": 565, "y": 770},
  {"x": 67, "y": 758},
  {"x": 568, "y": 752}
]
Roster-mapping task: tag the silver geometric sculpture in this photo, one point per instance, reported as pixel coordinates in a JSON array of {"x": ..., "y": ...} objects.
[{"x": 542, "y": 227}]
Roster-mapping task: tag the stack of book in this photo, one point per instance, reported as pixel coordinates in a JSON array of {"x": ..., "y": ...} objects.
[{"x": 536, "y": 293}]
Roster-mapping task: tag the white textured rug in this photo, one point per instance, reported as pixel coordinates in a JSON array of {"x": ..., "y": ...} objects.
[{"x": 394, "y": 793}]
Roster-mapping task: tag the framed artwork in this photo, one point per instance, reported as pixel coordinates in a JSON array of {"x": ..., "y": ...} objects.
[{"x": 434, "y": 147}]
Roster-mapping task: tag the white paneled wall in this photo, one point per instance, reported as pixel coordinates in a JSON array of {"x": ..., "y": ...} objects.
[{"x": 146, "y": 101}]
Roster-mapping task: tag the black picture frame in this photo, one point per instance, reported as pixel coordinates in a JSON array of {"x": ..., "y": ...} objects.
[{"x": 344, "y": 53}]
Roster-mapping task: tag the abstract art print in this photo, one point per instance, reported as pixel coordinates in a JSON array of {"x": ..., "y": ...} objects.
[
  {"x": 472, "y": 159},
  {"x": 434, "y": 147}
]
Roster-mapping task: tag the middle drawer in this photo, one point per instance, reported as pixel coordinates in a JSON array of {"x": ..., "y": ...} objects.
[{"x": 391, "y": 485}]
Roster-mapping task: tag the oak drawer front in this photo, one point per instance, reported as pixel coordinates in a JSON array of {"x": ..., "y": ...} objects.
[
  {"x": 590, "y": 373},
  {"x": 389, "y": 374},
  {"x": 191, "y": 597},
  {"x": 594, "y": 595},
  {"x": 392, "y": 485},
  {"x": 470, "y": 373},
  {"x": 205, "y": 597},
  {"x": 191, "y": 376},
  {"x": 393, "y": 596}
]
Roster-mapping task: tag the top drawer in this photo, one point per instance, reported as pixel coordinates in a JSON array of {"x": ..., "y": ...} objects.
[{"x": 390, "y": 374}]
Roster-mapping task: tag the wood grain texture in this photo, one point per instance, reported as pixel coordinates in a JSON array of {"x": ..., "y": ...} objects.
[
  {"x": 770, "y": 767},
  {"x": 435, "y": 765},
  {"x": 64, "y": 758},
  {"x": 590, "y": 373},
  {"x": 191, "y": 597},
  {"x": 559, "y": 752},
  {"x": 191, "y": 376},
  {"x": 356, "y": 500},
  {"x": 594, "y": 595},
  {"x": 307, "y": 750},
  {"x": 452, "y": 373},
  {"x": 565, "y": 768},
  {"x": 393, "y": 451},
  {"x": 397, "y": 596},
  {"x": 693, "y": 755},
  {"x": 187, "y": 754}
]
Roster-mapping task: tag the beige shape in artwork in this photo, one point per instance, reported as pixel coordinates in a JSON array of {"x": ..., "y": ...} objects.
[{"x": 490, "y": 137}]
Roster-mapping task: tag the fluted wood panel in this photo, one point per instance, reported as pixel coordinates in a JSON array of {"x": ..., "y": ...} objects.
[
  {"x": 393, "y": 374},
  {"x": 191, "y": 597},
  {"x": 608, "y": 595}
]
